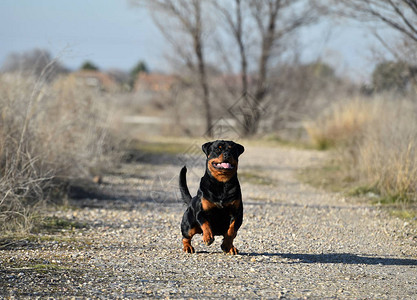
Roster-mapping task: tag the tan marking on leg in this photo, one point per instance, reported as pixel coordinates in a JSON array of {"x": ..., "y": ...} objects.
[
  {"x": 208, "y": 237},
  {"x": 227, "y": 245},
  {"x": 194, "y": 231},
  {"x": 188, "y": 248}
]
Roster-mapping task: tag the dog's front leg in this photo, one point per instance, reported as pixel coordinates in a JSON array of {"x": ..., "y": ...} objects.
[
  {"x": 227, "y": 245},
  {"x": 208, "y": 237},
  {"x": 236, "y": 218}
]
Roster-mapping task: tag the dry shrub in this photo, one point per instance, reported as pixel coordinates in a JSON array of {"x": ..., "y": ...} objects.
[
  {"x": 388, "y": 151},
  {"x": 342, "y": 123},
  {"x": 376, "y": 141},
  {"x": 47, "y": 131}
]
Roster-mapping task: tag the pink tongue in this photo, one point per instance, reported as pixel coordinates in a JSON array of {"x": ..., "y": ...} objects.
[{"x": 225, "y": 165}]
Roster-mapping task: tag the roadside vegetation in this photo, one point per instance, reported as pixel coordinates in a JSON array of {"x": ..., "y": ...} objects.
[
  {"x": 374, "y": 148},
  {"x": 50, "y": 133}
]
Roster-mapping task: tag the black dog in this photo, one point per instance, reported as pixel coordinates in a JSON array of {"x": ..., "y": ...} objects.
[{"x": 217, "y": 209}]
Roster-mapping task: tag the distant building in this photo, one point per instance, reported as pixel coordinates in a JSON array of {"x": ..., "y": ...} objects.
[
  {"x": 96, "y": 80},
  {"x": 231, "y": 81},
  {"x": 154, "y": 83}
]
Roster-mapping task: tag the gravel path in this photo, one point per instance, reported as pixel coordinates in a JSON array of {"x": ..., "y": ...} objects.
[{"x": 295, "y": 241}]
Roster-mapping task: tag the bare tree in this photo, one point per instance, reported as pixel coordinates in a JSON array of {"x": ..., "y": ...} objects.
[
  {"x": 273, "y": 21},
  {"x": 400, "y": 15},
  {"x": 36, "y": 62},
  {"x": 189, "y": 15},
  {"x": 234, "y": 22},
  {"x": 258, "y": 31}
]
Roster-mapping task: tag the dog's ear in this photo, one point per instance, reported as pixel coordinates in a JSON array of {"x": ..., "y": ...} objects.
[
  {"x": 240, "y": 149},
  {"x": 206, "y": 148}
]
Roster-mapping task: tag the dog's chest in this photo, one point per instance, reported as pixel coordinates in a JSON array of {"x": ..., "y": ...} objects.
[{"x": 208, "y": 205}]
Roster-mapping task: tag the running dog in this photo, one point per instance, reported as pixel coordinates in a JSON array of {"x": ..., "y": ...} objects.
[{"x": 217, "y": 208}]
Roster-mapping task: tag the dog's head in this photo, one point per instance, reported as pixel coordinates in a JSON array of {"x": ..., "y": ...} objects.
[{"x": 222, "y": 158}]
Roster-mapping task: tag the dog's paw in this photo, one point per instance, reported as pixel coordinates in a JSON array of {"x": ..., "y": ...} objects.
[
  {"x": 232, "y": 250},
  {"x": 208, "y": 239},
  {"x": 188, "y": 249}
]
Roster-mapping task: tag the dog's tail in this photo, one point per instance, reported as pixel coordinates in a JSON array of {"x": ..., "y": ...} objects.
[{"x": 185, "y": 193}]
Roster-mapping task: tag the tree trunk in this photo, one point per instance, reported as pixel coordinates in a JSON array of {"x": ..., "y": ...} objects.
[
  {"x": 198, "y": 48},
  {"x": 253, "y": 116}
]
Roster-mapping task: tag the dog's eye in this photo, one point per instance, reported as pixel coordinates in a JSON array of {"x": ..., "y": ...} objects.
[{"x": 220, "y": 147}]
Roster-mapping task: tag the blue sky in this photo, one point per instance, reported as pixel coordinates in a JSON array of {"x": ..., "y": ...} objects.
[
  {"x": 107, "y": 32},
  {"x": 113, "y": 34}
]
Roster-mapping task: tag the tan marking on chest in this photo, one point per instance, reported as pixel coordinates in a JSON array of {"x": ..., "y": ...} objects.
[
  {"x": 206, "y": 204},
  {"x": 235, "y": 203}
]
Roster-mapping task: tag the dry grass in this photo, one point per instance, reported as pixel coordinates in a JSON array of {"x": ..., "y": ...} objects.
[
  {"x": 378, "y": 139},
  {"x": 47, "y": 131},
  {"x": 340, "y": 124},
  {"x": 388, "y": 152}
]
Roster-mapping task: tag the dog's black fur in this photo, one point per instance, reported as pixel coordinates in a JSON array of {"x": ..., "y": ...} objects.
[{"x": 217, "y": 208}]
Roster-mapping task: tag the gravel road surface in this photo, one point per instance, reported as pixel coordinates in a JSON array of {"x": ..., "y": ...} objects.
[{"x": 296, "y": 242}]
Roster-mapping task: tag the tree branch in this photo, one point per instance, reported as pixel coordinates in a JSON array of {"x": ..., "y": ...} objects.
[{"x": 402, "y": 16}]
